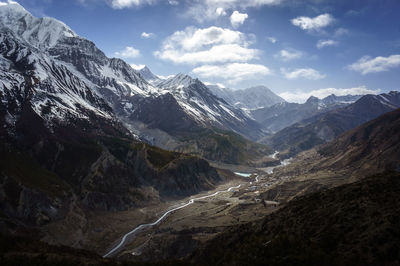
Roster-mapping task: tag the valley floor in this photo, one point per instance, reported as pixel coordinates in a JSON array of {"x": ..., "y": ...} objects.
[{"x": 236, "y": 202}]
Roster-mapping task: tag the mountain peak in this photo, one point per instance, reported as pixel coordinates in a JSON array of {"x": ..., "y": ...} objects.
[
  {"x": 312, "y": 99},
  {"x": 145, "y": 68},
  {"x": 179, "y": 80},
  {"x": 12, "y": 6},
  {"x": 182, "y": 76},
  {"x": 39, "y": 32},
  {"x": 146, "y": 73}
]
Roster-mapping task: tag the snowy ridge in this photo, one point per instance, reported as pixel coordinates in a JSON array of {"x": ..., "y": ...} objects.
[
  {"x": 68, "y": 76},
  {"x": 247, "y": 99},
  {"x": 389, "y": 99},
  {"x": 198, "y": 100},
  {"x": 51, "y": 85},
  {"x": 40, "y": 32},
  {"x": 178, "y": 81},
  {"x": 146, "y": 73}
]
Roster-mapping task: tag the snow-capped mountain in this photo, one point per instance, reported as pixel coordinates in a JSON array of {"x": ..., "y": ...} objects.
[
  {"x": 200, "y": 104},
  {"x": 325, "y": 126},
  {"x": 250, "y": 98},
  {"x": 63, "y": 75},
  {"x": 41, "y": 33},
  {"x": 337, "y": 100},
  {"x": 28, "y": 73},
  {"x": 281, "y": 115},
  {"x": 58, "y": 58},
  {"x": 146, "y": 73}
]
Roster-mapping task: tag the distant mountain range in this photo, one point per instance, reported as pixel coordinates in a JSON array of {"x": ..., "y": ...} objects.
[
  {"x": 250, "y": 98},
  {"x": 279, "y": 116},
  {"x": 326, "y": 126}
]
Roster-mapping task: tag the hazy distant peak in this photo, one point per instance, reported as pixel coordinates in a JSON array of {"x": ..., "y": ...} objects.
[
  {"x": 312, "y": 99},
  {"x": 179, "y": 79},
  {"x": 146, "y": 73},
  {"x": 249, "y": 98}
]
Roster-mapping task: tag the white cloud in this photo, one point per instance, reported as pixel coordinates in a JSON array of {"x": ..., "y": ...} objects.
[
  {"x": 220, "y": 85},
  {"x": 272, "y": 39},
  {"x": 120, "y": 4},
  {"x": 128, "y": 52},
  {"x": 216, "y": 54},
  {"x": 316, "y": 23},
  {"x": 306, "y": 73},
  {"x": 166, "y": 77},
  {"x": 302, "y": 96},
  {"x": 341, "y": 32},
  {"x": 366, "y": 64},
  {"x": 173, "y": 2},
  {"x": 137, "y": 67},
  {"x": 200, "y": 10},
  {"x": 220, "y": 12},
  {"x": 240, "y": 3},
  {"x": 7, "y": 3},
  {"x": 205, "y": 10},
  {"x": 208, "y": 45},
  {"x": 232, "y": 73},
  {"x": 238, "y": 18},
  {"x": 288, "y": 55},
  {"x": 147, "y": 35},
  {"x": 323, "y": 43}
]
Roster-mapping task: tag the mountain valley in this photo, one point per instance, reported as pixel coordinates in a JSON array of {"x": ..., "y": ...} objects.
[{"x": 103, "y": 163}]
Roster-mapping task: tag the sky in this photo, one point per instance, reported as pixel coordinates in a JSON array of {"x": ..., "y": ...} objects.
[{"x": 297, "y": 48}]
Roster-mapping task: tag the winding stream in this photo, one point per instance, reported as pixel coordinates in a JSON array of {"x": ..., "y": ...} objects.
[
  {"x": 190, "y": 202},
  {"x": 143, "y": 226}
]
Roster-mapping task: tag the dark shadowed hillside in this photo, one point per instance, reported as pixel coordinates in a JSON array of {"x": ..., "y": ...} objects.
[{"x": 356, "y": 224}]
